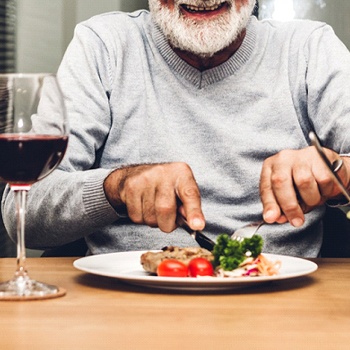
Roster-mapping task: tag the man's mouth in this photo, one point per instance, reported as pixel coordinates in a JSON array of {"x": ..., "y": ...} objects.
[{"x": 203, "y": 9}]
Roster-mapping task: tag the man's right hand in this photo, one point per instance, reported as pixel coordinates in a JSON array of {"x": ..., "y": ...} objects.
[{"x": 154, "y": 194}]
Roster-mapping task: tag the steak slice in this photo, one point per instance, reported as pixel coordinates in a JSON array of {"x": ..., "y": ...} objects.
[{"x": 151, "y": 260}]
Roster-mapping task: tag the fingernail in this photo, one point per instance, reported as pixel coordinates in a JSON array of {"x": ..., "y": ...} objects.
[
  {"x": 197, "y": 222},
  {"x": 268, "y": 215},
  {"x": 297, "y": 222}
]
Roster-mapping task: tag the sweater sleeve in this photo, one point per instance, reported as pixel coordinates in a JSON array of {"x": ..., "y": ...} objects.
[{"x": 70, "y": 203}]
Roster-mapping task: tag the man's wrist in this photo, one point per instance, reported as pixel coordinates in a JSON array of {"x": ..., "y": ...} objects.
[{"x": 111, "y": 187}]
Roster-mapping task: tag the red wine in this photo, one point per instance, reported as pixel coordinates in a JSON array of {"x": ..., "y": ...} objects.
[{"x": 25, "y": 159}]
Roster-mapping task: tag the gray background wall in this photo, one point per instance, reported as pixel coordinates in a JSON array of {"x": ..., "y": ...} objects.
[
  {"x": 334, "y": 12},
  {"x": 45, "y": 27}
]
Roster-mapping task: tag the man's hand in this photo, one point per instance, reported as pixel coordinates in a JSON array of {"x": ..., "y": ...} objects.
[
  {"x": 154, "y": 194},
  {"x": 293, "y": 182}
]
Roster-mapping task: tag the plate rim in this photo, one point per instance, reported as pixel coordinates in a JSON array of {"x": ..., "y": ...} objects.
[{"x": 188, "y": 283}]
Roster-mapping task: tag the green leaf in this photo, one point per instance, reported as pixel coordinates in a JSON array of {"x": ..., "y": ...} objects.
[{"x": 229, "y": 254}]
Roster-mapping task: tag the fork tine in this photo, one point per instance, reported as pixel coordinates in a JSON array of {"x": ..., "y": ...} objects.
[{"x": 247, "y": 231}]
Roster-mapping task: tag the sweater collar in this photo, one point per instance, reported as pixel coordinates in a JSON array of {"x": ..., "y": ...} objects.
[{"x": 210, "y": 76}]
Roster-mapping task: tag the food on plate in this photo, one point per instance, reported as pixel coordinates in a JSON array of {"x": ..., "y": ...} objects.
[
  {"x": 229, "y": 253},
  {"x": 259, "y": 266},
  {"x": 172, "y": 268},
  {"x": 229, "y": 258},
  {"x": 237, "y": 259},
  {"x": 200, "y": 267},
  {"x": 151, "y": 260},
  {"x": 194, "y": 268}
]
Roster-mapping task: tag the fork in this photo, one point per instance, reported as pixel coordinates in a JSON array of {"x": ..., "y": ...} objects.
[
  {"x": 333, "y": 167},
  {"x": 247, "y": 231}
]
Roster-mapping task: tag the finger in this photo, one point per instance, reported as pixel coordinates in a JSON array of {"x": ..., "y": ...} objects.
[
  {"x": 181, "y": 209},
  {"x": 282, "y": 219},
  {"x": 166, "y": 209},
  {"x": 189, "y": 195},
  {"x": 286, "y": 196},
  {"x": 271, "y": 209},
  {"x": 192, "y": 210},
  {"x": 325, "y": 180},
  {"x": 307, "y": 187},
  {"x": 149, "y": 216},
  {"x": 327, "y": 186},
  {"x": 133, "y": 201}
]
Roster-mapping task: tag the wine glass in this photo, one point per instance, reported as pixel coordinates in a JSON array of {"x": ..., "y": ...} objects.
[{"x": 33, "y": 140}]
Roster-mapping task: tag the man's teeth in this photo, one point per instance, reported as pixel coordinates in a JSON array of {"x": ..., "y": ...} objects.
[{"x": 194, "y": 8}]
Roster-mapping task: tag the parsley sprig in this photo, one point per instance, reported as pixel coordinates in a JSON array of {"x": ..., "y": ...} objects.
[{"x": 229, "y": 254}]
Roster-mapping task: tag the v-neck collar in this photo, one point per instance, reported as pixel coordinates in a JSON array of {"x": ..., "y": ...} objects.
[{"x": 210, "y": 76}]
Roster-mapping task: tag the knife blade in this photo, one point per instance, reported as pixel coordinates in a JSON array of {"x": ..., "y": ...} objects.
[{"x": 199, "y": 236}]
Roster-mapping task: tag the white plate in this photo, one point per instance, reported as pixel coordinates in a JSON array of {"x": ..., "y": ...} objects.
[{"x": 126, "y": 267}]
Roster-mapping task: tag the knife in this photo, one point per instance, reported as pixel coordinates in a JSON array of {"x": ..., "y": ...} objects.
[{"x": 199, "y": 236}]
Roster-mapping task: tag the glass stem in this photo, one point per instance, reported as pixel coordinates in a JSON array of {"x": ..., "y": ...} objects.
[{"x": 21, "y": 202}]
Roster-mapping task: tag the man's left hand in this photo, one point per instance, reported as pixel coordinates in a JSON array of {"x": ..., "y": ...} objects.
[{"x": 293, "y": 182}]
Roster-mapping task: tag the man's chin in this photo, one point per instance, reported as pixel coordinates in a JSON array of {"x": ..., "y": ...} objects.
[
  {"x": 204, "y": 40},
  {"x": 202, "y": 33},
  {"x": 201, "y": 52}
]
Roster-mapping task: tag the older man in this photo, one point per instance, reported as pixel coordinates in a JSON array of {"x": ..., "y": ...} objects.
[{"x": 200, "y": 109}]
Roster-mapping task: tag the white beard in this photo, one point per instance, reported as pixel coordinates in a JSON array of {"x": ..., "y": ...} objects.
[{"x": 203, "y": 38}]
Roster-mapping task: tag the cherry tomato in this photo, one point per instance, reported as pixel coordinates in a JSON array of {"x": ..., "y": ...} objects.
[
  {"x": 172, "y": 268},
  {"x": 200, "y": 267}
]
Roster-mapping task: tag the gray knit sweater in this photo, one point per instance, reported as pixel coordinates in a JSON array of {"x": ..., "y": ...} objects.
[{"x": 132, "y": 100}]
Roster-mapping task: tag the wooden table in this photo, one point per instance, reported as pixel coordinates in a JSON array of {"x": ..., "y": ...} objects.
[{"x": 311, "y": 312}]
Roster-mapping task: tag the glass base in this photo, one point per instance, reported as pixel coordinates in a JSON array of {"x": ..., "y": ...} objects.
[{"x": 22, "y": 288}]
